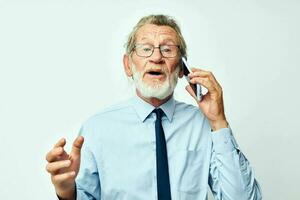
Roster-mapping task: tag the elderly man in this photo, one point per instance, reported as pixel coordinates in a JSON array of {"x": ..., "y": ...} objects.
[{"x": 152, "y": 146}]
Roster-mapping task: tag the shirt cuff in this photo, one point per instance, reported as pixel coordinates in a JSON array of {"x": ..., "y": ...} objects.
[{"x": 223, "y": 141}]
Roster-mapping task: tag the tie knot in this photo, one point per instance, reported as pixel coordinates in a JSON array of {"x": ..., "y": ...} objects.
[{"x": 159, "y": 113}]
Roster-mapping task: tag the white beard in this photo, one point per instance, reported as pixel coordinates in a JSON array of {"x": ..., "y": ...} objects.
[{"x": 157, "y": 90}]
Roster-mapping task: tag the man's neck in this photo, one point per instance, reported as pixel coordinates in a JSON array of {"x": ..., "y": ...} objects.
[{"x": 154, "y": 101}]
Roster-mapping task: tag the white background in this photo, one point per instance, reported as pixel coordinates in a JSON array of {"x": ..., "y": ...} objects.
[{"x": 61, "y": 62}]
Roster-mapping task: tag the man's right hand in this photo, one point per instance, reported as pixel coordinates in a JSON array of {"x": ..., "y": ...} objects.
[{"x": 64, "y": 167}]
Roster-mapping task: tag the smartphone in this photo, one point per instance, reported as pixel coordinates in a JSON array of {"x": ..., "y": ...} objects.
[{"x": 196, "y": 87}]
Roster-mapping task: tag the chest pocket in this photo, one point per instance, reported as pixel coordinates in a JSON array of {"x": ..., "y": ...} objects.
[{"x": 191, "y": 173}]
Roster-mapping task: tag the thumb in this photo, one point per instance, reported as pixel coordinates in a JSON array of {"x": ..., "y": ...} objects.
[{"x": 77, "y": 144}]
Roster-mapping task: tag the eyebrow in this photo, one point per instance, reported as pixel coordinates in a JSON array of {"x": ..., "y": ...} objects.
[{"x": 169, "y": 40}]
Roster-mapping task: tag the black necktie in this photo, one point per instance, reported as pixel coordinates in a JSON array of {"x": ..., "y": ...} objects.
[{"x": 162, "y": 169}]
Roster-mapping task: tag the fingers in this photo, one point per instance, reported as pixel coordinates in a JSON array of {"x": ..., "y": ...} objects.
[
  {"x": 57, "y": 152},
  {"x": 54, "y": 154},
  {"x": 60, "y": 178},
  {"x": 54, "y": 167},
  {"x": 61, "y": 166},
  {"x": 60, "y": 143},
  {"x": 205, "y": 78},
  {"x": 211, "y": 87},
  {"x": 204, "y": 74},
  {"x": 77, "y": 144}
]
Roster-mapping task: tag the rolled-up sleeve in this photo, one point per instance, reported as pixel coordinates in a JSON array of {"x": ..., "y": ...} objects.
[
  {"x": 87, "y": 181},
  {"x": 231, "y": 176}
]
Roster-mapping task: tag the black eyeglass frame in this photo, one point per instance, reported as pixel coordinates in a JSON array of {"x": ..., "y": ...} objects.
[{"x": 160, "y": 50}]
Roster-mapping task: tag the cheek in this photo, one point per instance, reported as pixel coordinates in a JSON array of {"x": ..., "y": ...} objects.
[
  {"x": 172, "y": 68},
  {"x": 139, "y": 64},
  {"x": 173, "y": 64}
]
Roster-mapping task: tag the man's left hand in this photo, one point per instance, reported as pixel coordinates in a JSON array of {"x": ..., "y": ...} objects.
[{"x": 212, "y": 102}]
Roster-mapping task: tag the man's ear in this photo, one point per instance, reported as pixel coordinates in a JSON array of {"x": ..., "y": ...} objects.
[{"x": 127, "y": 65}]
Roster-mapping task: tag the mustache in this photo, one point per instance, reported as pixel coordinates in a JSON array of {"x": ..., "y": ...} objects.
[{"x": 155, "y": 68}]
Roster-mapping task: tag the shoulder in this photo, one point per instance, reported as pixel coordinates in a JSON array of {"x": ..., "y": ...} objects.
[
  {"x": 187, "y": 109},
  {"x": 108, "y": 115},
  {"x": 183, "y": 105}
]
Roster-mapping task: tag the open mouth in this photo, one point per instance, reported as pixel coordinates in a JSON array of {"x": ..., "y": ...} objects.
[{"x": 155, "y": 72}]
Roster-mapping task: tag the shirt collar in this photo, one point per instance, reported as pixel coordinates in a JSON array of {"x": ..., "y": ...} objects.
[{"x": 144, "y": 109}]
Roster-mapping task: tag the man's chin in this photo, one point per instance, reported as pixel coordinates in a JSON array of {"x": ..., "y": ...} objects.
[
  {"x": 153, "y": 95},
  {"x": 156, "y": 91},
  {"x": 154, "y": 84}
]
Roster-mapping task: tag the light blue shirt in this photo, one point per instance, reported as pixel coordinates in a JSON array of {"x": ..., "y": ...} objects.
[{"x": 119, "y": 162}]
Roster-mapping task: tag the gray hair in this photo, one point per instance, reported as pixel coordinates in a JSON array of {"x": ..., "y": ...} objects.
[{"x": 159, "y": 20}]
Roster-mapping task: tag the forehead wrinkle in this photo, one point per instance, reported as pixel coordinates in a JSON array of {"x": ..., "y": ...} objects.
[
  {"x": 162, "y": 38},
  {"x": 161, "y": 33}
]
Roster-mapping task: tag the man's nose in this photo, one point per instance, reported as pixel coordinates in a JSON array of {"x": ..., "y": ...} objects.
[{"x": 156, "y": 56}]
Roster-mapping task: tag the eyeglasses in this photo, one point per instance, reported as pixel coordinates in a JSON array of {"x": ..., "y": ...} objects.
[{"x": 146, "y": 50}]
